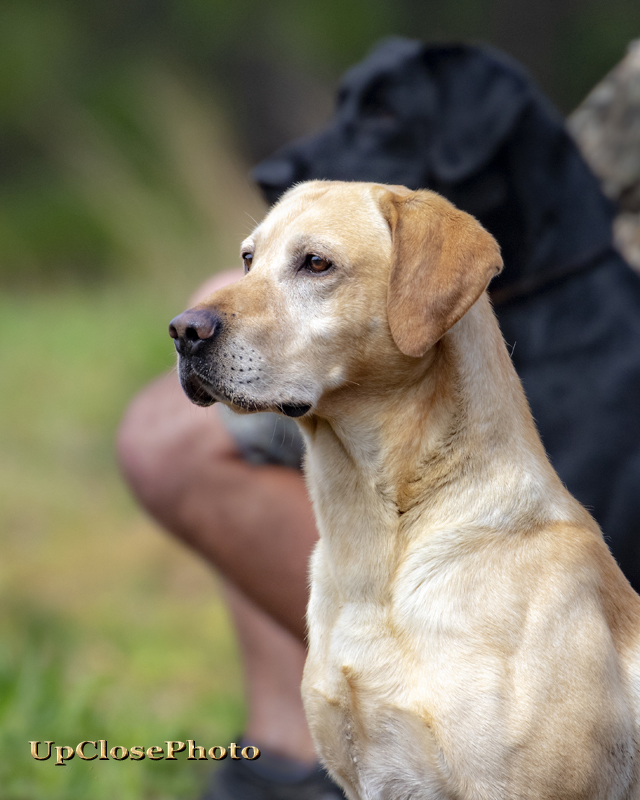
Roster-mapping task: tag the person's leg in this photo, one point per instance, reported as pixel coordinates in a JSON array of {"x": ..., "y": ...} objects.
[
  {"x": 273, "y": 661},
  {"x": 253, "y": 523}
]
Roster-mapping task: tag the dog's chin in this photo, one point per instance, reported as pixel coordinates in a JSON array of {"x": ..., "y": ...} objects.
[
  {"x": 197, "y": 391},
  {"x": 202, "y": 394}
]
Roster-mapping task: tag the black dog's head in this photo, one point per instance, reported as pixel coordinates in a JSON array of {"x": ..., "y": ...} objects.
[{"x": 469, "y": 123}]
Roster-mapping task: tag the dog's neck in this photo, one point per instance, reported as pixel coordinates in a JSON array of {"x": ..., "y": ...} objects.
[{"x": 456, "y": 450}]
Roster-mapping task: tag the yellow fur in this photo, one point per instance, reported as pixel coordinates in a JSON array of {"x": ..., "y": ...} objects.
[{"x": 470, "y": 636}]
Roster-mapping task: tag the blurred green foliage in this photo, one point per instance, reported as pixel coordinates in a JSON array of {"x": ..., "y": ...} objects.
[
  {"x": 108, "y": 629},
  {"x": 73, "y": 87},
  {"x": 41, "y": 697}
]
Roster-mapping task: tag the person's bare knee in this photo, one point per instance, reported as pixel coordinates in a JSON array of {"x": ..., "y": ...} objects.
[{"x": 161, "y": 439}]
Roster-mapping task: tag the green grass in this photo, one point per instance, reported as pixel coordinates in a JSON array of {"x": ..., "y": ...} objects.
[{"x": 108, "y": 628}]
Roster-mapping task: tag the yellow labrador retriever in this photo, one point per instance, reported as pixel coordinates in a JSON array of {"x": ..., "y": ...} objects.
[{"x": 470, "y": 636}]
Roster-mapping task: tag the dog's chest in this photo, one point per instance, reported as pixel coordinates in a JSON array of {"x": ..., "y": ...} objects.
[
  {"x": 362, "y": 711},
  {"x": 361, "y": 687}
]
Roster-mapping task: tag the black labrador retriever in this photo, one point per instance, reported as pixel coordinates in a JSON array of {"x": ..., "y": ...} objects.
[{"x": 469, "y": 123}]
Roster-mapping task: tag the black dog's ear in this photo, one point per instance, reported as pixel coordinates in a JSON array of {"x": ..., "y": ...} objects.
[{"x": 481, "y": 95}]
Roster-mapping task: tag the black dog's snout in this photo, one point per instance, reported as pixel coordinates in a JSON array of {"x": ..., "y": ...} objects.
[
  {"x": 193, "y": 328},
  {"x": 277, "y": 174}
]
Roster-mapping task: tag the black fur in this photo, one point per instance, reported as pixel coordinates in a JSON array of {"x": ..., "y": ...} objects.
[{"x": 469, "y": 123}]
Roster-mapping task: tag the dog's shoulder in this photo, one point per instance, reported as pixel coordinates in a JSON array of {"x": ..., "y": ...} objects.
[{"x": 509, "y": 579}]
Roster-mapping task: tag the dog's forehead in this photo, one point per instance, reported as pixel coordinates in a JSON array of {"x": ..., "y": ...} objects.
[{"x": 340, "y": 211}]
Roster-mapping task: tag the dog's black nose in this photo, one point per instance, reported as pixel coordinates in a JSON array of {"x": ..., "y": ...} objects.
[{"x": 193, "y": 328}]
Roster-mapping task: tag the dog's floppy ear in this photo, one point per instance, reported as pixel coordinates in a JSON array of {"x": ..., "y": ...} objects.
[{"x": 443, "y": 260}]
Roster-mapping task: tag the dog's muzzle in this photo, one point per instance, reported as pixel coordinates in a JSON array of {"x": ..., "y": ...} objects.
[{"x": 193, "y": 333}]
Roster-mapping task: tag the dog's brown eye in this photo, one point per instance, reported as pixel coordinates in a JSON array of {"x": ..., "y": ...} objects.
[
  {"x": 317, "y": 263},
  {"x": 247, "y": 258}
]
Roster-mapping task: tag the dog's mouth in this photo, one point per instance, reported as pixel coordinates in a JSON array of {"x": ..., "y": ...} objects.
[
  {"x": 294, "y": 410},
  {"x": 197, "y": 390},
  {"x": 202, "y": 393}
]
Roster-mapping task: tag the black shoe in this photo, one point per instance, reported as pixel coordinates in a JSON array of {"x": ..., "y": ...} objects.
[{"x": 246, "y": 780}]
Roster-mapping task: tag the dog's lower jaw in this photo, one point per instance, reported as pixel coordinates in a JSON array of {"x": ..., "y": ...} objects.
[
  {"x": 203, "y": 393},
  {"x": 196, "y": 390},
  {"x": 293, "y": 410}
]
